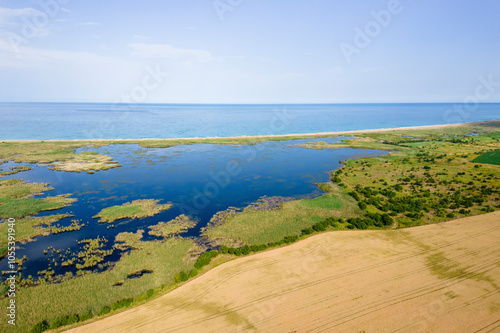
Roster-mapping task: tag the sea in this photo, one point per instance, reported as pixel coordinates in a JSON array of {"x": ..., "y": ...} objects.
[{"x": 70, "y": 121}]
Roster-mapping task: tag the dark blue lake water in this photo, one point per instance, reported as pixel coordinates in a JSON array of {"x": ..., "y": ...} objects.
[
  {"x": 199, "y": 180},
  {"x": 44, "y": 121}
]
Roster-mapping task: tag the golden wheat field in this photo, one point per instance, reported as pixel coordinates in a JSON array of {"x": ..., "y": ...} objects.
[{"x": 435, "y": 278}]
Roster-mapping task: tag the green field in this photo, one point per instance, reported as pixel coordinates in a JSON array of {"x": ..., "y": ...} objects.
[{"x": 491, "y": 157}]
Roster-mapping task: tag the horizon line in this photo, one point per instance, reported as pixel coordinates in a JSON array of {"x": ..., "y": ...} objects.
[{"x": 172, "y": 103}]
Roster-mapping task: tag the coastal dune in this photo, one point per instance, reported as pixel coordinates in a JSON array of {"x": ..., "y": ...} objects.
[{"x": 436, "y": 278}]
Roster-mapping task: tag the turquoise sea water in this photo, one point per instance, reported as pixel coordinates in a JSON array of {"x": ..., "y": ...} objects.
[{"x": 45, "y": 121}]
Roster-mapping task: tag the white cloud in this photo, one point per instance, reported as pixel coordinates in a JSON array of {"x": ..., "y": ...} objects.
[
  {"x": 167, "y": 51},
  {"x": 7, "y": 15},
  {"x": 65, "y": 10},
  {"x": 28, "y": 57}
]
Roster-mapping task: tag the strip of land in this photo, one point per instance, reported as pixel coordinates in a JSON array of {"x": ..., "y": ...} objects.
[
  {"x": 262, "y": 136},
  {"x": 435, "y": 278}
]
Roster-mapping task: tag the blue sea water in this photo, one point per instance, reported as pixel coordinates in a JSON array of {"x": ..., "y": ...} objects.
[{"x": 46, "y": 121}]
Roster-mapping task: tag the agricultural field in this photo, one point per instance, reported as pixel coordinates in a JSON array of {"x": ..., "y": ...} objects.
[{"x": 407, "y": 280}]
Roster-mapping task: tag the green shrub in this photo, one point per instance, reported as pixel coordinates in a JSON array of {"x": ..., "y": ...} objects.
[
  {"x": 245, "y": 250},
  {"x": 307, "y": 231},
  {"x": 40, "y": 327},
  {"x": 320, "y": 226},
  {"x": 182, "y": 276},
  {"x": 104, "y": 310},
  {"x": 205, "y": 258},
  {"x": 122, "y": 303},
  {"x": 72, "y": 319},
  {"x": 150, "y": 293},
  {"x": 193, "y": 272},
  {"x": 290, "y": 239},
  {"x": 61, "y": 321},
  {"x": 86, "y": 315}
]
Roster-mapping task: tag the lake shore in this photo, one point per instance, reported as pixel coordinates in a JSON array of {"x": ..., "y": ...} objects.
[{"x": 297, "y": 135}]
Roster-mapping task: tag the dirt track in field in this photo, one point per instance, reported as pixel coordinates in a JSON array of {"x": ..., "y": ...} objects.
[{"x": 436, "y": 278}]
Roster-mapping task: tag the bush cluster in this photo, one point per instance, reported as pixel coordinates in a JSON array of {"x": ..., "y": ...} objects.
[
  {"x": 122, "y": 303},
  {"x": 205, "y": 259},
  {"x": 43, "y": 325}
]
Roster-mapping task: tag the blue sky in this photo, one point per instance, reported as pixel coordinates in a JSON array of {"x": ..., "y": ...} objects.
[{"x": 249, "y": 51}]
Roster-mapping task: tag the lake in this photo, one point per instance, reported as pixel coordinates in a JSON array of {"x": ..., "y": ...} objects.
[{"x": 193, "y": 178}]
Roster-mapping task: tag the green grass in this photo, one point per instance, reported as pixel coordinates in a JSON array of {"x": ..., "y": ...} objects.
[
  {"x": 94, "y": 291},
  {"x": 261, "y": 227},
  {"x": 325, "y": 202},
  {"x": 135, "y": 209},
  {"x": 16, "y": 200},
  {"x": 17, "y": 188},
  {"x": 491, "y": 157},
  {"x": 18, "y": 208}
]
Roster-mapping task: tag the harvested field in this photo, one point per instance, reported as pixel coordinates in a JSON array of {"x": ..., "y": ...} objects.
[{"x": 435, "y": 278}]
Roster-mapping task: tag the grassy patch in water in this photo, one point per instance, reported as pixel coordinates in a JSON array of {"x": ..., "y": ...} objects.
[
  {"x": 18, "y": 208},
  {"x": 59, "y": 155},
  {"x": 16, "y": 201},
  {"x": 86, "y": 161},
  {"x": 15, "y": 170},
  {"x": 180, "y": 224},
  {"x": 135, "y": 209},
  {"x": 30, "y": 227}
]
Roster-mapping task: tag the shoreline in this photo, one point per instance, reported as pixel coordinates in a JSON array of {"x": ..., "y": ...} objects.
[{"x": 337, "y": 133}]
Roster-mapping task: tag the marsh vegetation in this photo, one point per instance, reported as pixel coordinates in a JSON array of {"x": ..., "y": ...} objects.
[{"x": 134, "y": 210}]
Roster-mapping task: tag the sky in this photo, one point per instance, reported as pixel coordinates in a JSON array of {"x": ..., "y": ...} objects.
[{"x": 250, "y": 51}]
